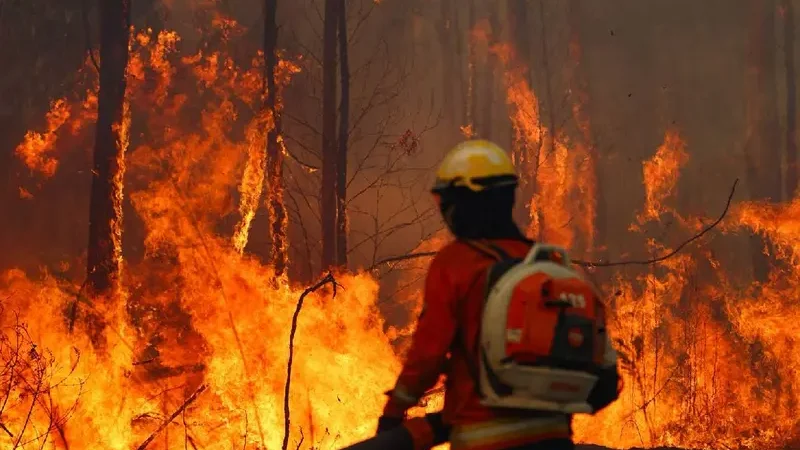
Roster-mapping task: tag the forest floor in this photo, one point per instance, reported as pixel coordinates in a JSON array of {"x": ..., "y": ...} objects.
[{"x": 600, "y": 447}]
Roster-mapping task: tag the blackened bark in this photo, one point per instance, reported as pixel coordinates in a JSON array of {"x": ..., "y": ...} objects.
[
  {"x": 105, "y": 209},
  {"x": 344, "y": 125},
  {"x": 329, "y": 145},
  {"x": 443, "y": 28},
  {"x": 459, "y": 63},
  {"x": 791, "y": 99},
  {"x": 487, "y": 120},
  {"x": 520, "y": 30},
  {"x": 762, "y": 152},
  {"x": 274, "y": 175},
  {"x": 472, "y": 55}
]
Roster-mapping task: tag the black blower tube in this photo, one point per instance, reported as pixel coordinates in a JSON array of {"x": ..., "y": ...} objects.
[{"x": 400, "y": 438}]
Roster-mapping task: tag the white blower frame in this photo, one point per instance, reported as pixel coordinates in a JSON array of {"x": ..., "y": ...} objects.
[{"x": 531, "y": 386}]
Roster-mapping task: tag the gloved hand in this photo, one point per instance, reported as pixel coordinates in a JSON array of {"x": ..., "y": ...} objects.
[
  {"x": 386, "y": 423},
  {"x": 441, "y": 432}
]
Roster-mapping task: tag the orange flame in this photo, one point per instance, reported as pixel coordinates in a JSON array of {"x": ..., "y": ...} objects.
[
  {"x": 586, "y": 154},
  {"x": 65, "y": 116},
  {"x": 708, "y": 363},
  {"x": 33, "y": 150},
  {"x": 122, "y": 131},
  {"x": 252, "y": 179},
  {"x": 557, "y": 174},
  {"x": 232, "y": 333},
  {"x": 275, "y": 200},
  {"x": 661, "y": 174},
  {"x": 255, "y": 172}
]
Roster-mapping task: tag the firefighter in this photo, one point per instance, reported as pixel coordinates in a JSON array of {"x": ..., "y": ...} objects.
[{"x": 475, "y": 190}]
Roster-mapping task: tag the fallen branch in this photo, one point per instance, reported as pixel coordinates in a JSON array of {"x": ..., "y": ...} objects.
[
  {"x": 601, "y": 263},
  {"x": 673, "y": 252},
  {"x": 328, "y": 279},
  {"x": 172, "y": 417},
  {"x": 403, "y": 258}
]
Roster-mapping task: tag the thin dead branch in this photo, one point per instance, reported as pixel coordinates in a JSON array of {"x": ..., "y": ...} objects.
[
  {"x": 643, "y": 262},
  {"x": 677, "y": 249},
  {"x": 172, "y": 417},
  {"x": 88, "y": 32},
  {"x": 328, "y": 279}
]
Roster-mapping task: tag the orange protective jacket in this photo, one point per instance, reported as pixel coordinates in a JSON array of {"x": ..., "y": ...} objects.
[{"x": 449, "y": 325}]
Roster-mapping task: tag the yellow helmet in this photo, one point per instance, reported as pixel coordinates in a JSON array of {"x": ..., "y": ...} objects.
[{"x": 476, "y": 165}]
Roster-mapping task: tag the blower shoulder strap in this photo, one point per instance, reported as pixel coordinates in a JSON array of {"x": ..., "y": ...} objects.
[{"x": 503, "y": 263}]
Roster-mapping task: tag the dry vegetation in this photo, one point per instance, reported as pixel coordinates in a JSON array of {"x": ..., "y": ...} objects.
[{"x": 629, "y": 122}]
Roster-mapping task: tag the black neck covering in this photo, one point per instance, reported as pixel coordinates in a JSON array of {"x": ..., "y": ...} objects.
[{"x": 480, "y": 215}]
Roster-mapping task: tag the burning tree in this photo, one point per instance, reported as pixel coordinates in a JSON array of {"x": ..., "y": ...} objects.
[
  {"x": 197, "y": 355},
  {"x": 274, "y": 183},
  {"x": 111, "y": 140},
  {"x": 328, "y": 191},
  {"x": 364, "y": 153}
]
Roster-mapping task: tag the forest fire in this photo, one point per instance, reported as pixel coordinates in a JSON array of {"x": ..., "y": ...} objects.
[{"x": 196, "y": 341}]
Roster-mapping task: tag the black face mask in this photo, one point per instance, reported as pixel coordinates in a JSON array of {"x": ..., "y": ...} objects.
[{"x": 480, "y": 215}]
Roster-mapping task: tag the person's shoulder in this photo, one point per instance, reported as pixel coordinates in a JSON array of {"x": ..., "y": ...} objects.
[
  {"x": 452, "y": 251},
  {"x": 454, "y": 255},
  {"x": 515, "y": 248}
]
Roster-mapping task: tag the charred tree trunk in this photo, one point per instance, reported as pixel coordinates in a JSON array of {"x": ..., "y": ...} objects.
[
  {"x": 105, "y": 211},
  {"x": 444, "y": 30},
  {"x": 344, "y": 126},
  {"x": 487, "y": 119},
  {"x": 274, "y": 163},
  {"x": 791, "y": 99},
  {"x": 328, "y": 205},
  {"x": 579, "y": 87},
  {"x": 520, "y": 31},
  {"x": 472, "y": 56},
  {"x": 762, "y": 152},
  {"x": 459, "y": 65}
]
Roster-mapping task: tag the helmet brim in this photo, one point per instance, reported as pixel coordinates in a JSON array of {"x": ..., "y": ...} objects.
[{"x": 481, "y": 183}]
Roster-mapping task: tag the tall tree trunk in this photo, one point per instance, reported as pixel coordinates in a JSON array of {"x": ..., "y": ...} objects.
[
  {"x": 472, "y": 61},
  {"x": 444, "y": 29},
  {"x": 274, "y": 176},
  {"x": 551, "y": 111},
  {"x": 521, "y": 31},
  {"x": 459, "y": 64},
  {"x": 579, "y": 86},
  {"x": 344, "y": 128},
  {"x": 762, "y": 152},
  {"x": 518, "y": 17},
  {"x": 487, "y": 120},
  {"x": 328, "y": 205},
  {"x": 105, "y": 210},
  {"x": 791, "y": 99}
]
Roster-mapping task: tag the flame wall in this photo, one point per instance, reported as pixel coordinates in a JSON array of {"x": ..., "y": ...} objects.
[{"x": 710, "y": 359}]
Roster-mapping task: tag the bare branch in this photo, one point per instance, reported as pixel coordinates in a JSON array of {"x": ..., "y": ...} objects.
[
  {"x": 88, "y": 33},
  {"x": 673, "y": 252},
  {"x": 600, "y": 263},
  {"x": 328, "y": 279},
  {"x": 172, "y": 417}
]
